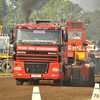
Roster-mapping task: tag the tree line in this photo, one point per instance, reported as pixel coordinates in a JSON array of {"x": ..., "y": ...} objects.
[{"x": 55, "y": 10}]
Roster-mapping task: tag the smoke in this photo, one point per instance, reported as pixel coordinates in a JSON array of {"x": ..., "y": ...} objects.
[
  {"x": 27, "y": 6},
  {"x": 88, "y": 5}
]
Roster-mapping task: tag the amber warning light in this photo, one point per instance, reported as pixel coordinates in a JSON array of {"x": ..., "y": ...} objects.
[{"x": 1, "y": 26}]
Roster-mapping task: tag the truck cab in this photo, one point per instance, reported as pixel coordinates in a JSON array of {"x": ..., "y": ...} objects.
[
  {"x": 40, "y": 53},
  {"x": 82, "y": 68},
  {"x": 76, "y": 41}
]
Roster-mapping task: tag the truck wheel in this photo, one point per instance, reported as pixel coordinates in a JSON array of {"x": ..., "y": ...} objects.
[
  {"x": 36, "y": 82},
  {"x": 19, "y": 82},
  {"x": 59, "y": 83},
  {"x": 30, "y": 82},
  {"x": 81, "y": 77},
  {"x": 4, "y": 66},
  {"x": 33, "y": 82},
  {"x": 71, "y": 80},
  {"x": 91, "y": 77},
  {"x": 82, "y": 80}
]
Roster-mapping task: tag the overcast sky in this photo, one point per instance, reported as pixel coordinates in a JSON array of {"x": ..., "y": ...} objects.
[{"x": 88, "y": 5}]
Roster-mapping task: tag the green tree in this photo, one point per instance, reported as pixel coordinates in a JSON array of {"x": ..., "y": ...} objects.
[
  {"x": 14, "y": 16},
  {"x": 3, "y": 8},
  {"x": 55, "y": 10},
  {"x": 70, "y": 10},
  {"x": 92, "y": 29}
]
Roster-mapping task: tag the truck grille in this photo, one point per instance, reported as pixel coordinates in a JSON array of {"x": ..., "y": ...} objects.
[
  {"x": 36, "y": 67},
  {"x": 37, "y": 56}
]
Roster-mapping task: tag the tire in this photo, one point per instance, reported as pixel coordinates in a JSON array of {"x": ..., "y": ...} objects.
[
  {"x": 82, "y": 80},
  {"x": 91, "y": 77},
  {"x": 33, "y": 82},
  {"x": 71, "y": 80},
  {"x": 59, "y": 83},
  {"x": 30, "y": 82},
  {"x": 67, "y": 83},
  {"x": 4, "y": 66},
  {"x": 19, "y": 82},
  {"x": 81, "y": 77},
  {"x": 36, "y": 82}
]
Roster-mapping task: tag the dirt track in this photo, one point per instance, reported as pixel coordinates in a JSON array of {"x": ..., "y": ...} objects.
[{"x": 9, "y": 91}]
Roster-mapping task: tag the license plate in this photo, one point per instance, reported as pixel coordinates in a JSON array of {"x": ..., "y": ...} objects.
[{"x": 36, "y": 76}]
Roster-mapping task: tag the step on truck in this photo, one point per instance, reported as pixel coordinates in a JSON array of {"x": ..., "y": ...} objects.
[
  {"x": 82, "y": 67},
  {"x": 40, "y": 53}
]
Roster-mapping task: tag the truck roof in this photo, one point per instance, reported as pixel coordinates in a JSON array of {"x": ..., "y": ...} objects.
[{"x": 37, "y": 26}]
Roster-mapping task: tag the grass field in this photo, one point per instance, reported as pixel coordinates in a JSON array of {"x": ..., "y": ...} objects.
[{"x": 6, "y": 74}]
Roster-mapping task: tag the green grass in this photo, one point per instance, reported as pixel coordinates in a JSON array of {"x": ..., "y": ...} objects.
[{"x": 4, "y": 74}]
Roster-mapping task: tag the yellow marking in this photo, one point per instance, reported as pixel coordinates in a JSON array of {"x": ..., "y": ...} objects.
[
  {"x": 80, "y": 55},
  {"x": 5, "y": 56}
]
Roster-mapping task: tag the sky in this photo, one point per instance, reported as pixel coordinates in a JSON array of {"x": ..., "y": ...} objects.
[{"x": 88, "y": 5}]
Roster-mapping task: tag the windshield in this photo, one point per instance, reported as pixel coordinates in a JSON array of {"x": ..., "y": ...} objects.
[
  {"x": 4, "y": 40},
  {"x": 75, "y": 35},
  {"x": 38, "y": 36}
]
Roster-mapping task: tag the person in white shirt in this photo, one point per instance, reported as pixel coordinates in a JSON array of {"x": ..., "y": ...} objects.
[{"x": 76, "y": 36}]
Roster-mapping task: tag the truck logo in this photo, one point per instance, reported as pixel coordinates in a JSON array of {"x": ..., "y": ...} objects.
[
  {"x": 73, "y": 48},
  {"x": 21, "y": 52},
  {"x": 22, "y": 48},
  {"x": 37, "y": 48},
  {"x": 52, "y": 53}
]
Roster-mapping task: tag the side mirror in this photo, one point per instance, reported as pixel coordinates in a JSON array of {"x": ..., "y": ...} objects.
[
  {"x": 11, "y": 36},
  {"x": 85, "y": 44},
  {"x": 65, "y": 37},
  {"x": 11, "y": 31}
]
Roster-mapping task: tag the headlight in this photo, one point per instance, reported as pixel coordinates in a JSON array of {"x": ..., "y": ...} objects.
[
  {"x": 17, "y": 68},
  {"x": 55, "y": 69}
]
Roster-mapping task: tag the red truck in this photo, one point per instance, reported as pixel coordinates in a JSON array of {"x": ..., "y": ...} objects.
[
  {"x": 40, "y": 53},
  {"x": 82, "y": 68}
]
